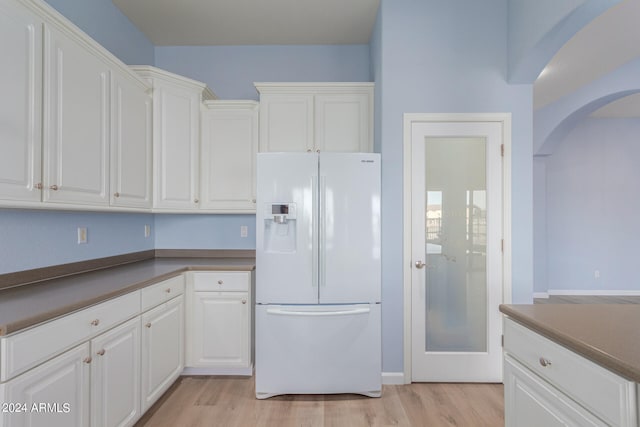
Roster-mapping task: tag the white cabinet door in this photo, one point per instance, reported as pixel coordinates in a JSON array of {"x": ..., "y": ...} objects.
[
  {"x": 76, "y": 122},
  {"x": 221, "y": 334},
  {"x": 162, "y": 349},
  {"x": 286, "y": 122},
  {"x": 130, "y": 143},
  {"x": 20, "y": 104},
  {"x": 316, "y": 117},
  {"x": 532, "y": 402},
  {"x": 229, "y": 146},
  {"x": 343, "y": 122},
  {"x": 115, "y": 376},
  {"x": 54, "y": 394},
  {"x": 176, "y": 136}
]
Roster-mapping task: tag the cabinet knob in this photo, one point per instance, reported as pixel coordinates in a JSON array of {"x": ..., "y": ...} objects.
[
  {"x": 53, "y": 187},
  {"x": 220, "y": 282},
  {"x": 196, "y": 201},
  {"x": 116, "y": 194},
  {"x": 148, "y": 325},
  {"x": 545, "y": 362},
  {"x": 308, "y": 150},
  {"x": 318, "y": 150},
  {"x": 244, "y": 301},
  {"x": 253, "y": 200},
  {"x": 38, "y": 186},
  {"x": 101, "y": 352},
  {"x": 168, "y": 290},
  {"x": 87, "y": 360},
  {"x": 95, "y": 322}
]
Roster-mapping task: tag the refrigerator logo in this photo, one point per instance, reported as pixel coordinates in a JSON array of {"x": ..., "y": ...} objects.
[{"x": 367, "y": 161}]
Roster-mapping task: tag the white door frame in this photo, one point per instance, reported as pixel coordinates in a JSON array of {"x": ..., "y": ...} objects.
[{"x": 409, "y": 119}]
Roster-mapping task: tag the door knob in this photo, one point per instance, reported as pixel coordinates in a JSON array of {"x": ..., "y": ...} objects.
[{"x": 420, "y": 264}]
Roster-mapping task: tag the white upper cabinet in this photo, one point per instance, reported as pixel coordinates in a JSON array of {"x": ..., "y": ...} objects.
[
  {"x": 76, "y": 122},
  {"x": 130, "y": 143},
  {"x": 176, "y": 138},
  {"x": 228, "y": 149},
  {"x": 20, "y": 104},
  {"x": 316, "y": 116}
]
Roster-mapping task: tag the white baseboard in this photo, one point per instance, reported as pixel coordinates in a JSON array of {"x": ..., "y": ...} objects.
[
  {"x": 594, "y": 292},
  {"x": 393, "y": 378},
  {"x": 544, "y": 295},
  {"x": 218, "y": 371}
]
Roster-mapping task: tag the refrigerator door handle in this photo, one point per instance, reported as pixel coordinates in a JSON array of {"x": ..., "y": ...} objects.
[
  {"x": 322, "y": 232},
  {"x": 314, "y": 231},
  {"x": 348, "y": 312}
]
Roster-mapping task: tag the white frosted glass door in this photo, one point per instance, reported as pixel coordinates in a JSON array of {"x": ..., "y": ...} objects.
[
  {"x": 456, "y": 240},
  {"x": 457, "y": 260}
]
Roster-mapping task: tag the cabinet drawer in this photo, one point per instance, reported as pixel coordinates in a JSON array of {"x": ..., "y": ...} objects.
[
  {"x": 599, "y": 390},
  {"x": 161, "y": 292},
  {"x": 24, "y": 350},
  {"x": 222, "y": 281}
]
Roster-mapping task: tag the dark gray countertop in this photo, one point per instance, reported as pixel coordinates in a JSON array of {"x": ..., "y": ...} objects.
[
  {"x": 607, "y": 334},
  {"x": 25, "y": 306}
]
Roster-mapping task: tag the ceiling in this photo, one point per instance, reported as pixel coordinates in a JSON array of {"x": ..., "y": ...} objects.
[
  {"x": 252, "y": 22},
  {"x": 607, "y": 43}
]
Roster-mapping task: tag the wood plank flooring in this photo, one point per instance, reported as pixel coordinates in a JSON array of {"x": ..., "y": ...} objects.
[{"x": 230, "y": 401}]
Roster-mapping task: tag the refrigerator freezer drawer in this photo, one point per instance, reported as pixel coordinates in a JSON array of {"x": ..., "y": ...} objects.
[{"x": 318, "y": 349}]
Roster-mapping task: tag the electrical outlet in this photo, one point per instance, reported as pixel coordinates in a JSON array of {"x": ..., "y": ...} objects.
[
  {"x": 82, "y": 235},
  {"x": 147, "y": 230},
  {"x": 244, "y": 231}
]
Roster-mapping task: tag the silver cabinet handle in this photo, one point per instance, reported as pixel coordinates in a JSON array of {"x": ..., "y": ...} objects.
[
  {"x": 244, "y": 301},
  {"x": 220, "y": 282},
  {"x": 545, "y": 362},
  {"x": 116, "y": 194},
  {"x": 196, "y": 201},
  {"x": 168, "y": 290},
  {"x": 101, "y": 352},
  {"x": 95, "y": 322},
  {"x": 54, "y": 187},
  {"x": 87, "y": 360},
  {"x": 148, "y": 325},
  {"x": 38, "y": 186},
  {"x": 420, "y": 264}
]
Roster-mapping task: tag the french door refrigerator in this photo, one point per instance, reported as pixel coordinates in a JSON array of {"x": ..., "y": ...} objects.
[{"x": 318, "y": 274}]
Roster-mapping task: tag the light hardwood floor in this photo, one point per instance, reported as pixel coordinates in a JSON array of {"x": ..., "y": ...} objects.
[{"x": 230, "y": 401}]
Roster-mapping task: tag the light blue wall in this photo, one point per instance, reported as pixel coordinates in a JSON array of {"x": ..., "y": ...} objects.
[
  {"x": 230, "y": 71},
  {"x": 439, "y": 57},
  {"x": 204, "y": 231},
  {"x": 33, "y": 239},
  {"x": 106, "y": 24},
  {"x": 593, "y": 182}
]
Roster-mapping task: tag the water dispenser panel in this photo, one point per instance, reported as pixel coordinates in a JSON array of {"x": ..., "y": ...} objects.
[{"x": 280, "y": 227}]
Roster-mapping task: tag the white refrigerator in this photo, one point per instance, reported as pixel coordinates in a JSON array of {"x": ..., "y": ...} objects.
[{"x": 318, "y": 292}]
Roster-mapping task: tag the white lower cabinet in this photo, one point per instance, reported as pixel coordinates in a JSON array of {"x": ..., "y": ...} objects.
[
  {"x": 222, "y": 320},
  {"x": 115, "y": 373},
  {"x": 530, "y": 402},
  {"x": 219, "y": 323},
  {"x": 102, "y": 366},
  {"x": 54, "y": 394},
  {"x": 162, "y": 349},
  {"x": 546, "y": 384}
]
